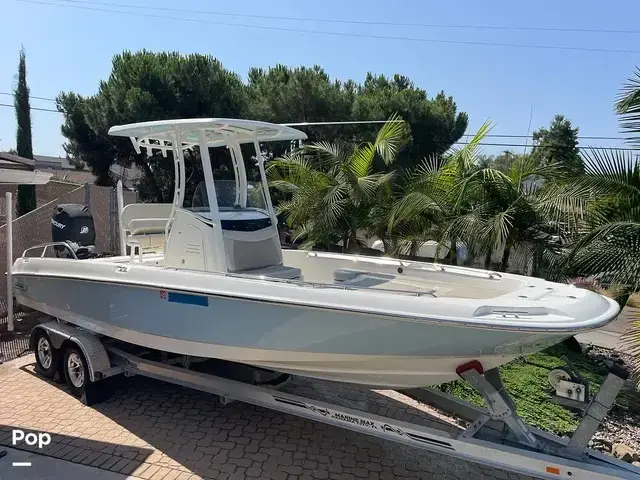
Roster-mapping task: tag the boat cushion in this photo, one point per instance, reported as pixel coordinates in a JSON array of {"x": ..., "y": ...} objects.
[
  {"x": 383, "y": 281},
  {"x": 344, "y": 274},
  {"x": 350, "y": 275},
  {"x": 252, "y": 250},
  {"x": 147, "y": 226},
  {"x": 276, "y": 271}
]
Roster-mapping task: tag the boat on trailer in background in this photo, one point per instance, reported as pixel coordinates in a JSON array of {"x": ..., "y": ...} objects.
[{"x": 207, "y": 282}]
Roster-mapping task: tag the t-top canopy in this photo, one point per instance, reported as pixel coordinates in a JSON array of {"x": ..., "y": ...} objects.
[{"x": 218, "y": 131}]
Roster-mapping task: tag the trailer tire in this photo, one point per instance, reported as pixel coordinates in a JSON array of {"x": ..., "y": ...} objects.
[
  {"x": 47, "y": 356},
  {"x": 76, "y": 372}
]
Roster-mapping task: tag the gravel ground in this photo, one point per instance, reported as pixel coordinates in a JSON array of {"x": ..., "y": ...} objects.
[{"x": 622, "y": 426}]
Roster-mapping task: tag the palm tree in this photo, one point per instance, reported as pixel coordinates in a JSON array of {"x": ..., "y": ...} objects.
[
  {"x": 333, "y": 186},
  {"x": 430, "y": 198},
  {"x": 512, "y": 213},
  {"x": 458, "y": 197},
  {"x": 605, "y": 212},
  {"x": 608, "y": 198},
  {"x": 628, "y": 106}
]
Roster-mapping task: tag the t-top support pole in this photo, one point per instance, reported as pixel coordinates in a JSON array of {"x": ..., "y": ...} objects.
[{"x": 120, "y": 201}]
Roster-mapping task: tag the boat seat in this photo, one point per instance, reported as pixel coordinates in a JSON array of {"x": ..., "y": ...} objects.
[
  {"x": 276, "y": 271},
  {"x": 148, "y": 242},
  {"x": 146, "y": 218},
  {"x": 145, "y": 223}
]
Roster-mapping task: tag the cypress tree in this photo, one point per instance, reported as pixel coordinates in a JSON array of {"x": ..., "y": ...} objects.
[{"x": 26, "y": 193}]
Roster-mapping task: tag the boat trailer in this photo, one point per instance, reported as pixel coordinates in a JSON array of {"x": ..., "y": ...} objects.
[{"x": 496, "y": 436}]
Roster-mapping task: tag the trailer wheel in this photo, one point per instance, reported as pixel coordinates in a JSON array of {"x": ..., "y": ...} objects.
[
  {"x": 46, "y": 355},
  {"x": 75, "y": 371}
]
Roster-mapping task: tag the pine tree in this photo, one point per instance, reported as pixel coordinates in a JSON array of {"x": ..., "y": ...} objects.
[{"x": 26, "y": 193}]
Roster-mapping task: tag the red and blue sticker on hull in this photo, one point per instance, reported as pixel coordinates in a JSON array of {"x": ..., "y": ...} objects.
[{"x": 185, "y": 298}]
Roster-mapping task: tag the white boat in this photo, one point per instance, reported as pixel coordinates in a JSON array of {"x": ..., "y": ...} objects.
[{"x": 207, "y": 278}]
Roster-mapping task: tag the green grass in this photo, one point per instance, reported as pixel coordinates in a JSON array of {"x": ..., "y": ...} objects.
[{"x": 526, "y": 380}]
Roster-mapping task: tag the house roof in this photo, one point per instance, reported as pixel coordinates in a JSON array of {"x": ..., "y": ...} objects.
[
  {"x": 10, "y": 161},
  {"x": 15, "y": 169},
  {"x": 48, "y": 161}
]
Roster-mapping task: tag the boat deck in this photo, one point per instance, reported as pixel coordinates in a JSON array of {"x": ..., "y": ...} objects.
[{"x": 407, "y": 283}]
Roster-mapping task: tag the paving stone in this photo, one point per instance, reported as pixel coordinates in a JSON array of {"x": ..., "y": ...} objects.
[
  {"x": 110, "y": 463},
  {"x": 80, "y": 456},
  {"x": 149, "y": 472},
  {"x": 101, "y": 460},
  {"x": 55, "y": 449},
  {"x": 121, "y": 465},
  {"x": 172, "y": 475},
  {"x": 239, "y": 474},
  {"x": 242, "y": 462},
  {"x": 129, "y": 467},
  {"x": 162, "y": 473},
  {"x": 228, "y": 468},
  {"x": 90, "y": 458}
]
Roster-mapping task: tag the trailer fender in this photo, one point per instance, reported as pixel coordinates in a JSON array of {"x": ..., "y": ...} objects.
[{"x": 94, "y": 352}]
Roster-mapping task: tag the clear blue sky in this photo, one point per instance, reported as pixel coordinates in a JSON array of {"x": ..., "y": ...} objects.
[{"x": 71, "y": 49}]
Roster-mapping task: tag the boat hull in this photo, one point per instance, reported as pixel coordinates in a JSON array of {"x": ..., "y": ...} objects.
[{"x": 344, "y": 346}]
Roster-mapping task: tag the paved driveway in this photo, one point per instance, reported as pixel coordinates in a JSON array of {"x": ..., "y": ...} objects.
[
  {"x": 609, "y": 335},
  {"x": 13, "y": 467},
  {"x": 155, "y": 430}
]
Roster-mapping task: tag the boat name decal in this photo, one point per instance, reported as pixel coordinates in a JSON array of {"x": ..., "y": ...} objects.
[
  {"x": 363, "y": 422},
  {"x": 163, "y": 294},
  {"x": 355, "y": 420}
]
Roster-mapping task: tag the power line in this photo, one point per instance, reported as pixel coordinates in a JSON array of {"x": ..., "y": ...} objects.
[
  {"x": 586, "y": 137},
  {"x": 346, "y": 122},
  {"x": 31, "y": 96},
  {"x": 32, "y": 108},
  {"x": 342, "y": 34},
  {"x": 491, "y": 135},
  {"x": 364, "y": 22},
  {"x": 559, "y": 147},
  {"x": 514, "y": 145}
]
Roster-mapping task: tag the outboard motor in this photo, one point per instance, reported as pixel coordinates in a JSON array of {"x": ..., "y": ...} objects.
[{"x": 73, "y": 224}]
